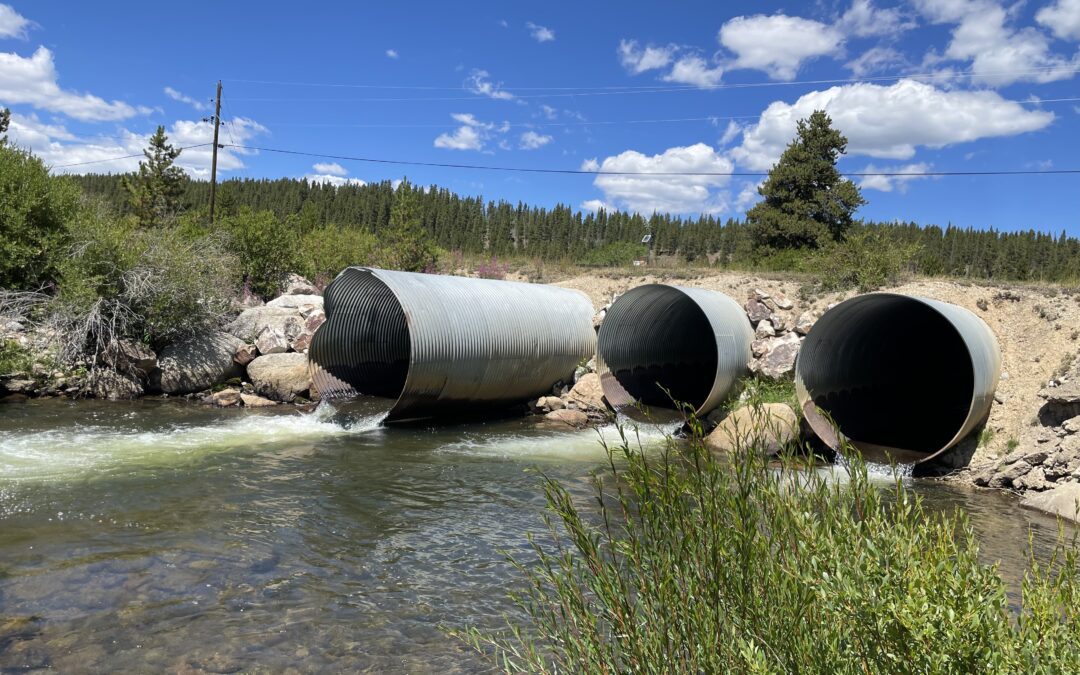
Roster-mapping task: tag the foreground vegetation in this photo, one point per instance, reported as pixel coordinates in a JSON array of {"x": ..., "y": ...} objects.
[{"x": 686, "y": 562}]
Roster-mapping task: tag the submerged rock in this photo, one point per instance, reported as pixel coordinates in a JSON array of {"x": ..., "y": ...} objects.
[
  {"x": 567, "y": 417},
  {"x": 197, "y": 364},
  {"x": 281, "y": 377}
]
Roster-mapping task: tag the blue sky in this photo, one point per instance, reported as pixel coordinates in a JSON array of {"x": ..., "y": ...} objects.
[{"x": 947, "y": 85}]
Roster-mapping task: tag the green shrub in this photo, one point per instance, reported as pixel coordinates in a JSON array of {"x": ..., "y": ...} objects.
[
  {"x": 867, "y": 260},
  {"x": 14, "y": 358},
  {"x": 265, "y": 247},
  {"x": 328, "y": 249},
  {"x": 34, "y": 210},
  {"x": 617, "y": 254},
  {"x": 121, "y": 281},
  {"x": 689, "y": 563}
]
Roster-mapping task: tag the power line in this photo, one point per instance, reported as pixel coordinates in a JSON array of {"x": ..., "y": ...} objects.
[
  {"x": 598, "y": 172},
  {"x": 117, "y": 159},
  {"x": 676, "y": 87}
]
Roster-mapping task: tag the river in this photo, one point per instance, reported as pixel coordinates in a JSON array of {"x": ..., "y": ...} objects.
[{"x": 160, "y": 535}]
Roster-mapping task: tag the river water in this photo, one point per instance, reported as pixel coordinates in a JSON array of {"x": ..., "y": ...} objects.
[{"x": 164, "y": 536}]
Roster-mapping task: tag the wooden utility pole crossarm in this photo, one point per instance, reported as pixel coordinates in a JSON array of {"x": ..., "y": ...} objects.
[{"x": 213, "y": 162}]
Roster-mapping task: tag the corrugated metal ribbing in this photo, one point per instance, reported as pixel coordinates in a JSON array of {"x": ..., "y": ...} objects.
[
  {"x": 693, "y": 342},
  {"x": 900, "y": 376},
  {"x": 467, "y": 340}
]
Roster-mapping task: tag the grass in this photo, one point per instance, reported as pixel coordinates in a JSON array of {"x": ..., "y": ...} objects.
[
  {"x": 14, "y": 358},
  {"x": 685, "y": 562}
]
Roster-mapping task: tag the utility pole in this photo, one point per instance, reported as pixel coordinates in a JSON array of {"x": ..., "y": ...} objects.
[{"x": 213, "y": 162}]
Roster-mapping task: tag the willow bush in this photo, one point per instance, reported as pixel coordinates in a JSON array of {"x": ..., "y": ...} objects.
[{"x": 686, "y": 562}]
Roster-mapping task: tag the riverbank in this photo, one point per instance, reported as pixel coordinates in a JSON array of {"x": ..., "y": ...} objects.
[{"x": 1028, "y": 444}]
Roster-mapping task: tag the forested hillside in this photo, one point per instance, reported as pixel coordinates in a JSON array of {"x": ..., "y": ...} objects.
[{"x": 471, "y": 225}]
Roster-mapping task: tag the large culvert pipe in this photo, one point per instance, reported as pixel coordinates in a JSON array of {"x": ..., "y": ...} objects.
[
  {"x": 438, "y": 343},
  {"x": 691, "y": 342},
  {"x": 899, "y": 376}
]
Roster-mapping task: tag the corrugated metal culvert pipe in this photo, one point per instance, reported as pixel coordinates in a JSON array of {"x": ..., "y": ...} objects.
[
  {"x": 439, "y": 343},
  {"x": 693, "y": 342},
  {"x": 900, "y": 376}
]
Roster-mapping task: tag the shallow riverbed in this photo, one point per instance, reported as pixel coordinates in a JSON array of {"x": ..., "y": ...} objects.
[{"x": 165, "y": 536}]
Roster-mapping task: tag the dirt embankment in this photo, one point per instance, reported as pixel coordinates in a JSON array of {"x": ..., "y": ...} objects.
[{"x": 1038, "y": 331}]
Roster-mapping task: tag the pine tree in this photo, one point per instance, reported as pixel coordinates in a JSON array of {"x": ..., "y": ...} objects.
[
  {"x": 807, "y": 203},
  {"x": 5, "y": 121},
  {"x": 154, "y": 193}
]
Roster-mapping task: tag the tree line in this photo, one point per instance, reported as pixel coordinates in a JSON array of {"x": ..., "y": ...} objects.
[{"x": 504, "y": 229}]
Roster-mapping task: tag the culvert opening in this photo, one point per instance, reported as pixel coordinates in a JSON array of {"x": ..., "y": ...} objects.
[
  {"x": 893, "y": 374},
  {"x": 365, "y": 350},
  {"x": 655, "y": 338}
]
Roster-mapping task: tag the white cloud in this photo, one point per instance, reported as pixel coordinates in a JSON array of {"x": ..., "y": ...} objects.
[
  {"x": 877, "y": 60},
  {"x": 336, "y": 181},
  {"x": 595, "y": 205},
  {"x": 865, "y": 20},
  {"x": 463, "y": 138},
  {"x": 999, "y": 55},
  {"x": 548, "y": 112},
  {"x": 1062, "y": 18},
  {"x": 33, "y": 81},
  {"x": 695, "y": 70},
  {"x": 13, "y": 24},
  {"x": 332, "y": 168},
  {"x": 478, "y": 82},
  {"x": 670, "y": 194},
  {"x": 890, "y": 121},
  {"x": 58, "y": 147},
  {"x": 731, "y": 132},
  {"x": 530, "y": 140},
  {"x": 391, "y": 53},
  {"x": 889, "y": 183},
  {"x": 540, "y": 33},
  {"x": 637, "y": 60},
  {"x": 184, "y": 98},
  {"x": 469, "y": 119},
  {"x": 777, "y": 44},
  {"x": 748, "y": 196}
]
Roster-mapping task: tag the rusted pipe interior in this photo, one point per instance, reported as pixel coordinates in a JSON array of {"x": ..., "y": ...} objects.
[
  {"x": 655, "y": 338},
  {"x": 891, "y": 372},
  {"x": 369, "y": 350}
]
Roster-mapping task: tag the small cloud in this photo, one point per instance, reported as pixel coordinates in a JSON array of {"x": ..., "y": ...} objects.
[
  {"x": 530, "y": 140},
  {"x": 479, "y": 82},
  {"x": 595, "y": 205},
  {"x": 392, "y": 53},
  {"x": 731, "y": 132},
  {"x": 907, "y": 173},
  {"x": 332, "y": 168},
  {"x": 540, "y": 33},
  {"x": 184, "y": 98},
  {"x": 336, "y": 181},
  {"x": 463, "y": 138},
  {"x": 504, "y": 23},
  {"x": 549, "y": 112},
  {"x": 637, "y": 60},
  {"x": 13, "y": 24}
]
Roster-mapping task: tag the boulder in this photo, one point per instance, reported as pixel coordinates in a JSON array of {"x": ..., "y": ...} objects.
[
  {"x": 779, "y": 359},
  {"x": 1060, "y": 501},
  {"x": 769, "y": 428},
  {"x": 297, "y": 301},
  {"x": 197, "y": 363},
  {"x": 1008, "y": 475},
  {"x": 782, "y": 301},
  {"x": 757, "y": 311},
  {"x": 587, "y": 393},
  {"x": 245, "y": 355},
  {"x": 131, "y": 357},
  {"x": 780, "y": 323},
  {"x": 18, "y": 385},
  {"x": 281, "y": 377},
  {"x": 549, "y": 403},
  {"x": 301, "y": 343},
  {"x": 1072, "y": 425},
  {"x": 298, "y": 285},
  {"x": 313, "y": 320},
  {"x": 598, "y": 319},
  {"x": 271, "y": 341},
  {"x": 251, "y": 322},
  {"x": 764, "y": 330},
  {"x": 1034, "y": 480},
  {"x": 253, "y": 401},
  {"x": 114, "y": 386},
  {"x": 567, "y": 417},
  {"x": 226, "y": 398},
  {"x": 805, "y": 322}
]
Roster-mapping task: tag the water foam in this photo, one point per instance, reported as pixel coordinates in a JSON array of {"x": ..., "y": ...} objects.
[{"x": 79, "y": 448}]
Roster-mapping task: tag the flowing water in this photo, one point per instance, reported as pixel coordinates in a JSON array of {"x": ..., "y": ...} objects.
[{"x": 162, "y": 536}]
